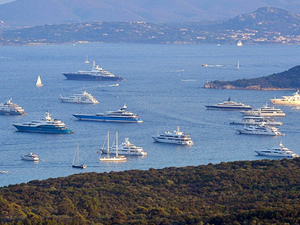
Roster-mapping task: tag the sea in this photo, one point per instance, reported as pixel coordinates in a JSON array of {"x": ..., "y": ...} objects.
[{"x": 164, "y": 85}]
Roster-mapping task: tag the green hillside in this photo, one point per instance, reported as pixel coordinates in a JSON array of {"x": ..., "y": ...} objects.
[
  {"x": 249, "y": 192},
  {"x": 289, "y": 79}
]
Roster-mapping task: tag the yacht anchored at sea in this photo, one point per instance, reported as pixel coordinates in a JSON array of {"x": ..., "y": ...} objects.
[
  {"x": 10, "y": 108},
  {"x": 229, "y": 105},
  {"x": 120, "y": 115},
  {"x": 45, "y": 125},
  {"x": 84, "y": 98},
  {"x": 96, "y": 74},
  {"x": 177, "y": 137}
]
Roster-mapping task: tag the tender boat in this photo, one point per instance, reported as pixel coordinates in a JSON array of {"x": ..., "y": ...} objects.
[
  {"x": 30, "y": 157},
  {"x": 10, "y": 108},
  {"x": 85, "y": 98},
  {"x": 265, "y": 111},
  {"x": 46, "y": 125},
  {"x": 261, "y": 129},
  {"x": 96, "y": 74},
  {"x": 229, "y": 105},
  {"x": 76, "y": 163},
  {"x": 111, "y": 116},
  {"x": 256, "y": 120},
  {"x": 177, "y": 137},
  {"x": 126, "y": 148},
  {"x": 280, "y": 151},
  {"x": 116, "y": 158},
  {"x": 3, "y": 171},
  {"x": 287, "y": 100}
]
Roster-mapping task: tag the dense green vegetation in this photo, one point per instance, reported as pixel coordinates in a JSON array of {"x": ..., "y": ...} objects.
[
  {"x": 289, "y": 79},
  {"x": 249, "y": 192}
]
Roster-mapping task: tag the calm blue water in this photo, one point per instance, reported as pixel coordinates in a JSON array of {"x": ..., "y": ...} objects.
[{"x": 153, "y": 89}]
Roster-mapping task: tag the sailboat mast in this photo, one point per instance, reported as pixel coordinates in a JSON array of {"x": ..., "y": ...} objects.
[
  {"x": 116, "y": 143},
  {"x": 108, "y": 143}
]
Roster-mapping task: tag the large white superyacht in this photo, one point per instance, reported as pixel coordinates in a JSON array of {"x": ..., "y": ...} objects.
[
  {"x": 177, "y": 137},
  {"x": 260, "y": 130},
  {"x": 266, "y": 111},
  {"x": 280, "y": 151},
  {"x": 287, "y": 100}
]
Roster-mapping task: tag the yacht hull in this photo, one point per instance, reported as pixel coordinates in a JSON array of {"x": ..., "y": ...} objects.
[
  {"x": 162, "y": 140},
  {"x": 273, "y": 154},
  {"x": 41, "y": 130},
  {"x": 214, "y": 107},
  {"x": 88, "y": 77},
  {"x": 107, "y": 119}
]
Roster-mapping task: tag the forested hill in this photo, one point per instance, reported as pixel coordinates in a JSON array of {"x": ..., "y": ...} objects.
[
  {"x": 286, "y": 80},
  {"x": 249, "y": 192}
]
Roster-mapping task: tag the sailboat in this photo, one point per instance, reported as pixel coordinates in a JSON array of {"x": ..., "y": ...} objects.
[
  {"x": 238, "y": 65},
  {"x": 76, "y": 163},
  {"x": 39, "y": 82},
  {"x": 117, "y": 158},
  {"x": 87, "y": 60}
]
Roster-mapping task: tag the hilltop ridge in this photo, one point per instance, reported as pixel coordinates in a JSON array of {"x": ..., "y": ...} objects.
[{"x": 28, "y": 13}]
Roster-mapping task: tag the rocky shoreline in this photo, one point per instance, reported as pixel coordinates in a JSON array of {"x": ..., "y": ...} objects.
[
  {"x": 287, "y": 80},
  {"x": 211, "y": 85}
]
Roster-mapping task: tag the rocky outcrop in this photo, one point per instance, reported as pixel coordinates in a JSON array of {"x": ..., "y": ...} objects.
[{"x": 287, "y": 80}]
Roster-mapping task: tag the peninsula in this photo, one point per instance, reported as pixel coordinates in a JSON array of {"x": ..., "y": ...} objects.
[{"x": 287, "y": 80}]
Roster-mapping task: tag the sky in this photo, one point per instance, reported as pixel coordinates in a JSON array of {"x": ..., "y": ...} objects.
[{"x": 5, "y": 1}]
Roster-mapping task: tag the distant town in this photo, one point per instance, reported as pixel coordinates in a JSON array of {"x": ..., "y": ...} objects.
[{"x": 264, "y": 27}]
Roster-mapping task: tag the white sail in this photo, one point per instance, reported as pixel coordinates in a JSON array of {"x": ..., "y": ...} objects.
[
  {"x": 39, "y": 82},
  {"x": 87, "y": 60}
]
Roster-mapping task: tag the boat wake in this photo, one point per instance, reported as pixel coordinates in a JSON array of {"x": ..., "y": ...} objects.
[{"x": 188, "y": 80}]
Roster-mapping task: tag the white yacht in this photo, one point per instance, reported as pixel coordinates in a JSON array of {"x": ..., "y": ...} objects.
[
  {"x": 280, "y": 151},
  {"x": 85, "y": 98},
  {"x": 10, "y": 108},
  {"x": 229, "y": 105},
  {"x": 108, "y": 158},
  {"x": 260, "y": 130},
  {"x": 265, "y": 111},
  {"x": 287, "y": 100},
  {"x": 174, "y": 138},
  {"x": 256, "y": 120},
  {"x": 30, "y": 157},
  {"x": 126, "y": 148}
]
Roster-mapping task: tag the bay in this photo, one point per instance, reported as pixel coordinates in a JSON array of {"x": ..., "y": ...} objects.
[{"x": 164, "y": 85}]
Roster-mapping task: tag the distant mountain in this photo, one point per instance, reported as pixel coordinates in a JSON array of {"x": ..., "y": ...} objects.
[
  {"x": 267, "y": 25},
  {"x": 22, "y": 13},
  {"x": 286, "y": 80},
  {"x": 266, "y": 19}
]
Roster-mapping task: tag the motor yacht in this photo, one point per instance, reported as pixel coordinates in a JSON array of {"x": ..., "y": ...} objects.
[
  {"x": 45, "y": 125},
  {"x": 266, "y": 111},
  {"x": 96, "y": 74},
  {"x": 30, "y": 157},
  {"x": 287, "y": 100},
  {"x": 261, "y": 129},
  {"x": 177, "y": 137},
  {"x": 10, "y": 108},
  {"x": 229, "y": 105},
  {"x": 256, "y": 120},
  {"x": 280, "y": 151},
  {"x": 120, "y": 115},
  {"x": 84, "y": 98},
  {"x": 126, "y": 148}
]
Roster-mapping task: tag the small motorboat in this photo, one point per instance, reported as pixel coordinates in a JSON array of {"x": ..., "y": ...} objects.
[{"x": 30, "y": 157}]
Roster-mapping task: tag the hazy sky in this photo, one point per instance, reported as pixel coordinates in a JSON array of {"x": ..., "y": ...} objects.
[{"x": 5, "y": 1}]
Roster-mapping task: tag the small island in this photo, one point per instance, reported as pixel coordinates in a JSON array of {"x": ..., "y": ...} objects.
[{"x": 287, "y": 80}]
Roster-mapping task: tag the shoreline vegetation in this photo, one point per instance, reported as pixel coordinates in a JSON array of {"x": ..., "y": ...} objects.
[
  {"x": 242, "y": 192},
  {"x": 287, "y": 80}
]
